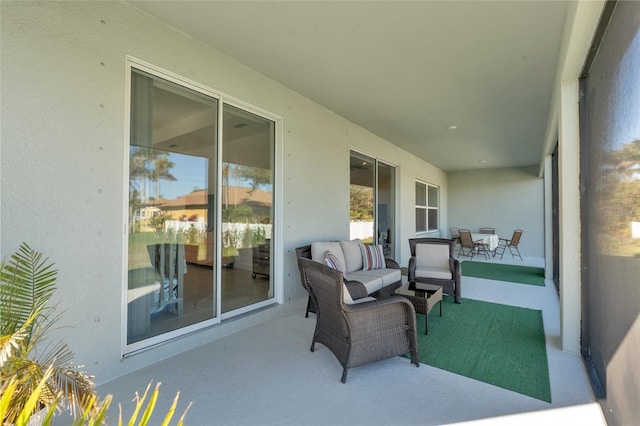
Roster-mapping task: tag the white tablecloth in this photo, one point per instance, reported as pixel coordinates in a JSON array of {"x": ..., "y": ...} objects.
[{"x": 489, "y": 239}]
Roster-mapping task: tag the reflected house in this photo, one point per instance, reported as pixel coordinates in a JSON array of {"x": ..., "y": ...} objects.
[
  {"x": 195, "y": 204},
  {"x": 188, "y": 213},
  {"x": 149, "y": 210}
]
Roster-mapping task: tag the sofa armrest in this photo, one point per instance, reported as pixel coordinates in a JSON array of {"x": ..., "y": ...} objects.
[
  {"x": 411, "y": 270},
  {"x": 454, "y": 265},
  {"x": 391, "y": 264},
  {"x": 456, "y": 270},
  {"x": 366, "y": 313},
  {"x": 357, "y": 290}
]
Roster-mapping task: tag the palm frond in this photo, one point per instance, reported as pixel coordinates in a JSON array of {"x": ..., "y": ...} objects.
[
  {"x": 27, "y": 281},
  {"x": 11, "y": 342},
  {"x": 33, "y": 400},
  {"x": 75, "y": 385}
]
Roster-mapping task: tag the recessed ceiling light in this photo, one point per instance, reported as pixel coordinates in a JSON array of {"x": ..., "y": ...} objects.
[
  {"x": 452, "y": 127},
  {"x": 482, "y": 161}
]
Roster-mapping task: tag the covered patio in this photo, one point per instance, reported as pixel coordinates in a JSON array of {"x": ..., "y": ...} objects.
[
  {"x": 484, "y": 116},
  {"x": 266, "y": 375}
]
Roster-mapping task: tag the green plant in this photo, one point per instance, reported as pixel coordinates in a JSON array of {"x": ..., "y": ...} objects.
[
  {"x": 96, "y": 410},
  {"x": 30, "y": 383},
  {"x": 157, "y": 222},
  {"x": 252, "y": 237},
  {"x": 27, "y": 282}
]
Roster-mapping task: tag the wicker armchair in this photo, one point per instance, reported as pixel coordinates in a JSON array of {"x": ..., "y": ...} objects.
[
  {"x": 436, "y": 266},
  {"x": 360, "y": 333}
]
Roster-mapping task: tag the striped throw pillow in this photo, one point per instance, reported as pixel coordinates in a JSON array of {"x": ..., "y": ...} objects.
[
  {"x": 372, "y": 257},
  {"x": 332, "y": 261}
]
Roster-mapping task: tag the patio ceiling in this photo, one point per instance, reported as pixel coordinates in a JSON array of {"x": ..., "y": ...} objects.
[{"x": 407, "y": 71}]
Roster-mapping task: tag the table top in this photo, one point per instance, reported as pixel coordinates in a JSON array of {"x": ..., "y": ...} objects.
[
  {"x": 418, "y": 289},
  {"x": 491, "y": 240}
]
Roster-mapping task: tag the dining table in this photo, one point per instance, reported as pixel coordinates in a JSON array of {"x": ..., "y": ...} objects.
[{"x": 491, "y": 240}]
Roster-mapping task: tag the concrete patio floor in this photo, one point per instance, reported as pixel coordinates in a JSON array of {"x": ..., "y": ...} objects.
[{"x": 266, "y": 375}]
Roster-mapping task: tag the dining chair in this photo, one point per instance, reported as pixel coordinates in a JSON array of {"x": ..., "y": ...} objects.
[
  {"x": 455, "y": 235},
  {"x": 470, "y": 248},
  {"x": 487, "y": 230},
  {"x": 511, "y": 244}
]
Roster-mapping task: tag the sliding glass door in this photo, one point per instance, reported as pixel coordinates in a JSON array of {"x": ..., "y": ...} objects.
[
  {"x": 172, "y": 178},
  {"x": 372, "y": 202},
  {"x": 200, "y": 210},
  {"x": 247, "y": 208}
]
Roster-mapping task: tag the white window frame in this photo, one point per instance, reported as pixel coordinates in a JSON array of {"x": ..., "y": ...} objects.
[
  {"x": 427, "y": 208},
  {"x": 276, "y": 261}
]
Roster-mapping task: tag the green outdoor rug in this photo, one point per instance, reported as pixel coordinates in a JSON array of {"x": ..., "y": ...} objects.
[
  {"x": 501, "y": 272},
  {"x": 496, "y": 344}
]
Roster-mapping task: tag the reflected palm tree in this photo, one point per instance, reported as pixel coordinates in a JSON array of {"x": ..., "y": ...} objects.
[{"x": 160, "y": 170}]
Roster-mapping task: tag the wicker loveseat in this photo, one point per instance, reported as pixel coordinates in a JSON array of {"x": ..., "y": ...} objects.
[
  {"x": 360, "y": 333},
  {"x": 362, "y": 278}
]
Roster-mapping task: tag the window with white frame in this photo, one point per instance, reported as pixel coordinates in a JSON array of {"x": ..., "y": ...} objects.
[{"x": 427, "y": 207}]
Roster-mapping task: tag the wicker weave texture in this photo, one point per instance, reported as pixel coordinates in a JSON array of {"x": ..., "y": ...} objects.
[{"x": 361, "y": 333}]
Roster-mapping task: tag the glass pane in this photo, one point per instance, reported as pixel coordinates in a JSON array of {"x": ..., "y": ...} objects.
[
  {"x": 433, "y": 196},
  {"x": 171, "y": 181},
  {"x": 386, "y": 208},
  {"x": 247, "y": 208},
  {"x": 421, "y": 194},
  {"x": 362, "y": 178},
  {"x": 433, "y": 219},
  {"x": 421, "y": 220}
]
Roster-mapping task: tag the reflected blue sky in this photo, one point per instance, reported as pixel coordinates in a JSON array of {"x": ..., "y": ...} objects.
[{"x": 190, "y": 173}]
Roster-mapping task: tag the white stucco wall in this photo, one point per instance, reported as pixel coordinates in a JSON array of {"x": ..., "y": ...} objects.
[
  {"x": 64, "y": 152},
  {"x": 506, "y": 199}
]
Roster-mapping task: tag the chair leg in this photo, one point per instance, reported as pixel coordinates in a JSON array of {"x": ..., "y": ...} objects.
[
  {"x": 502, "y": 252},
  {"x": 517, "y": 252},
  {"x": 306, "y": 315},
  {"x": 344, "y": 374}
]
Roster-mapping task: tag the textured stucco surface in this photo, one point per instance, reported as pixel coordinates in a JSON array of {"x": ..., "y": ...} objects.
[{"x": 64, "y": 156}]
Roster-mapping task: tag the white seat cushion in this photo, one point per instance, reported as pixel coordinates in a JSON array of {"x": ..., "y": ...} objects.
[
  {"x": 440, "y": 273},
  {"x": 364, "y": 299},
  {"x": 388, "y": 276},
  {"x": 371, "y": 282}
]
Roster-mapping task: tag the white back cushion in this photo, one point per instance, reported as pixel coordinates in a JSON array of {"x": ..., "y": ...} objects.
[
  {"x": 432, "y": 256},
  {"x": 352, "y": 255},
  {"x": 319, "y": 250}
]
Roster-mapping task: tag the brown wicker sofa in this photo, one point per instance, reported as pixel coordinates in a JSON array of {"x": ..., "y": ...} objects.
[
  {"x": 360, "y": 282},
  {"x": 360, "y": 333}
]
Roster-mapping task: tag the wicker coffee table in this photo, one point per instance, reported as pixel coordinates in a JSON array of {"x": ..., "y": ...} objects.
[{"x": 423, "y": 297}]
